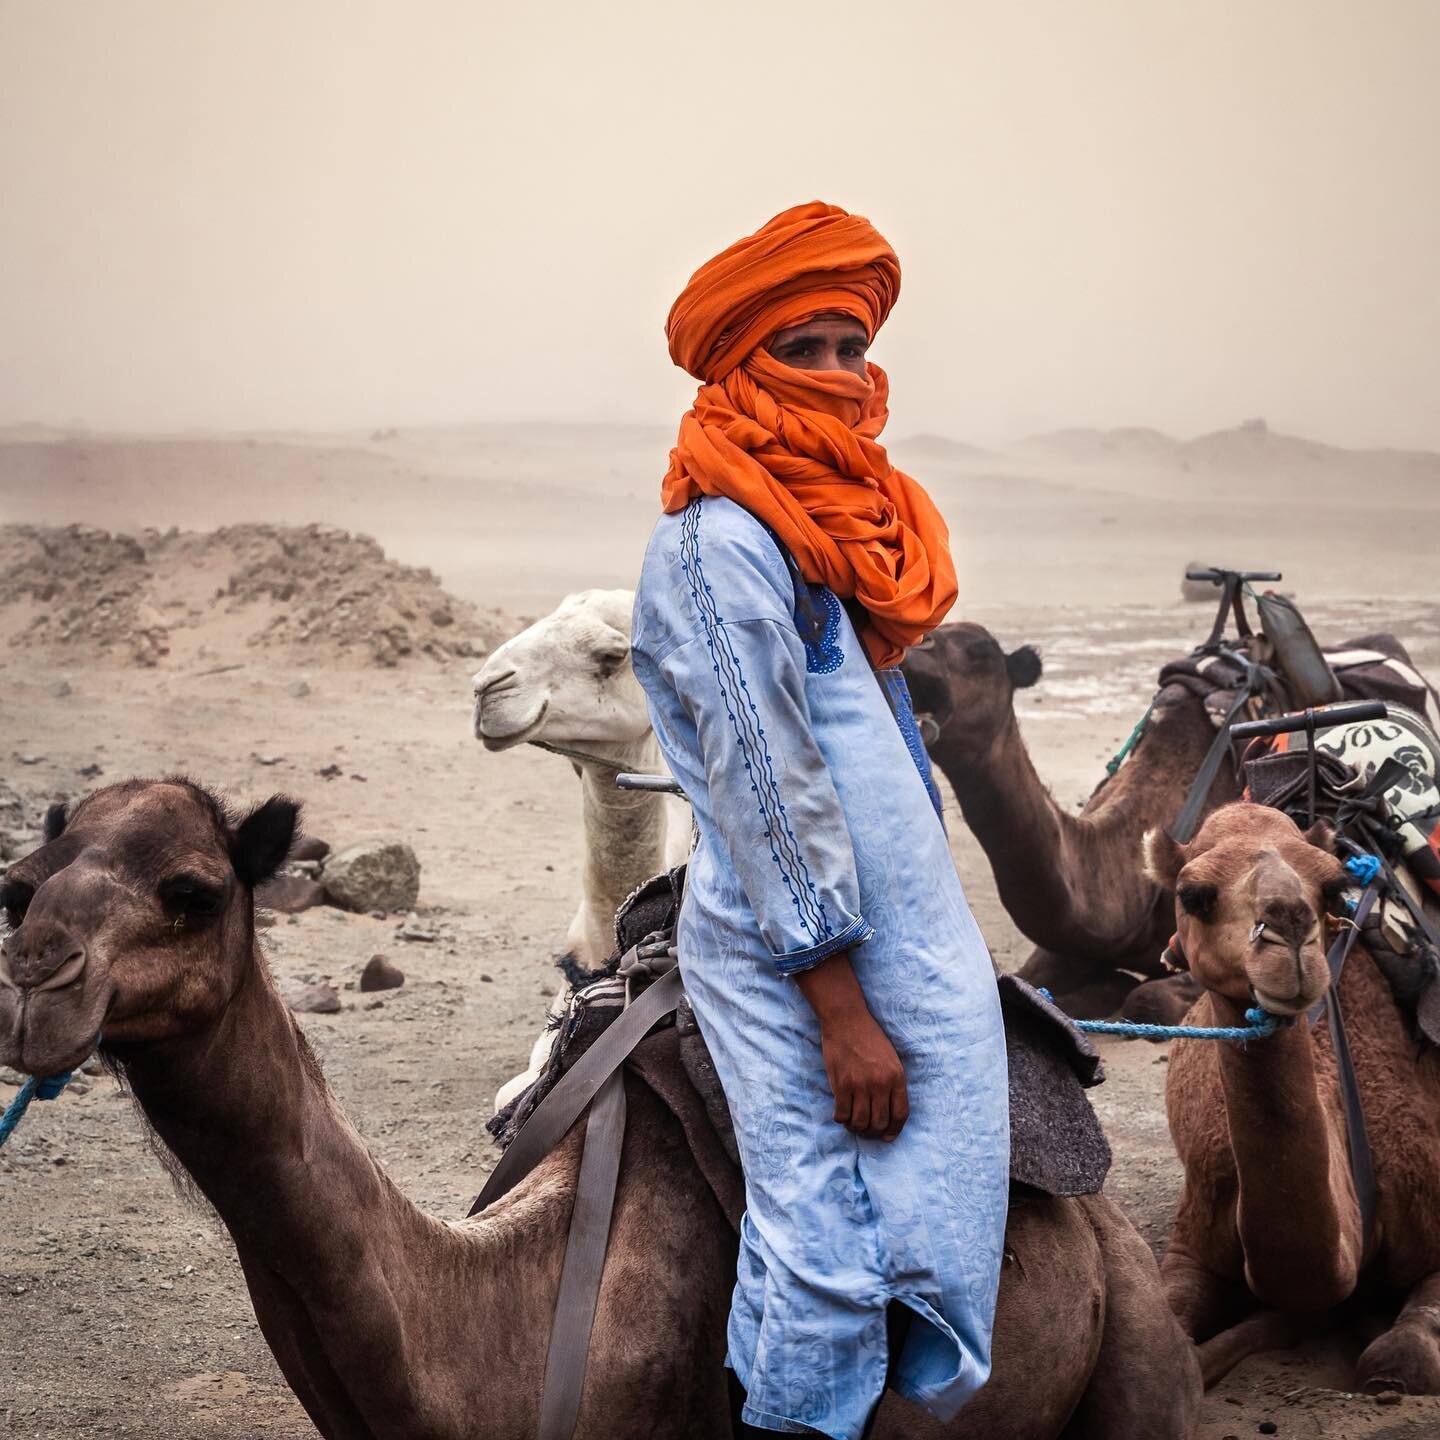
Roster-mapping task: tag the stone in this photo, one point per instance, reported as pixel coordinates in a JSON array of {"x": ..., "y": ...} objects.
[
  {"x": 312, "y": 999},
  {"x": 298, "y": 689},
  {"x": 380, "y": 974},
  {"x": 60, "y": 689},
  {"x": 289, "y": 894},
  {"x": 309, "y": 847},
  {"x": 380, "y": 875},
  {"x": 414, "y": 931}
]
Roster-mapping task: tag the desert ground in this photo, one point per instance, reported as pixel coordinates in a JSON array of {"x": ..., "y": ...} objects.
[{"x": 228, "y": 656}]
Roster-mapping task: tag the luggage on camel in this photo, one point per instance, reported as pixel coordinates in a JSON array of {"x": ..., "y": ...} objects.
[{"x": 1378, "y": 782}]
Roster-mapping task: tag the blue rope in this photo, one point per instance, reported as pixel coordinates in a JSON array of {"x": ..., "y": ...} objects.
[
  {"x": 1262, "y": 1024},
  {"x": 1111, "y": 766},
  {"x": 34, "y": 1088},
  {"x": 1363, "y": 867}
]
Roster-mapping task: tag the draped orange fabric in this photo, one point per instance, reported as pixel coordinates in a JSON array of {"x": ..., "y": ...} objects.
[{"x": 798, "y": 449}]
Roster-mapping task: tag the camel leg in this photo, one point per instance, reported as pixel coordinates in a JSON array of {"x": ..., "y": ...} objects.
[
  {"x": 1264, "y": 1330},
  {"x": 1146, "y": 1379},
  {"x": 1161, "y": 1002},
  {"x": 1202, "y": 1301},
  {"x": 1081, "y": 988},
  {"x": 1407, "y": 1356}
]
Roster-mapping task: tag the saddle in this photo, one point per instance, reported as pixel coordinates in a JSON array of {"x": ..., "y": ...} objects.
[{"x": 1056, "y": 1143}]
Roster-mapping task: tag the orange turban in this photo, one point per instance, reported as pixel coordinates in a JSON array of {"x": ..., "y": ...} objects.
[{"x": 798, "y": 448}]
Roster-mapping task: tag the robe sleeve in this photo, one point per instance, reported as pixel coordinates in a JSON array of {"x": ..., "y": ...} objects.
[{"x": 740, "y": 678}]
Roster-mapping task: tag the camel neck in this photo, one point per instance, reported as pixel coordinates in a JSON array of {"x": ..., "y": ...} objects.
[
  {"x": 1073, "y": 882},
  {"x": 242, "y": 1105},
  {"x": 1024, "y": 834},
  {"x": 625, "y": 835},
  {"x": 1296, "y": 1211}
]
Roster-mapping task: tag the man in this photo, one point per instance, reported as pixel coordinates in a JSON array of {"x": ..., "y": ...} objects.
[{"x": 835, "y": 969}]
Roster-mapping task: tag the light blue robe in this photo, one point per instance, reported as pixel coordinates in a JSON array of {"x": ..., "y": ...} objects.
[{"x": 817, "y": 833}]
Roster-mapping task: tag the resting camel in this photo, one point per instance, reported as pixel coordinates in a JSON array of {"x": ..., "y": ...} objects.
[
  {"x": 1070, "y": 882},
  {"x": 135, "y": 921},
  {"x": 1269, "y": 1212},
  {"x": 566, "y": 680}
]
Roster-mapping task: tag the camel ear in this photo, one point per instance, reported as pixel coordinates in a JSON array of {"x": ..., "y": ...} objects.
[
  {"x": 262, "y": 839},
  {"x": 1023, "y": 667},
  {"x": 1321, "y": 835},
  {"x": 1164, "y": 858},
  {"x": 55, "y": 818}
]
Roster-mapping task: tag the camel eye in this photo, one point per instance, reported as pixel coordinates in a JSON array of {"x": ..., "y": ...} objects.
[
  {"x": 15, "y": 900},
  {"x": 191, "y": 897},
  {"x": 1199, "y": 899},
  {"x": 608, "y": 661}
]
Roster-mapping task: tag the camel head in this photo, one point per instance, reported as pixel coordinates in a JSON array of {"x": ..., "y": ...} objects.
[
  {"x": 566, "y": 679},
  {"x": 1252, "y": 895},
  {"x": 963, "y": 684},
  {"x": 134, "y": 919}
]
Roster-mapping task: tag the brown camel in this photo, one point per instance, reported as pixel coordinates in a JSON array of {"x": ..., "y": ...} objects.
[
  {"x": 1269, "y": 1212},
  {"x": 136, "y": 920},
  {"x": 1069, "y": 881}
]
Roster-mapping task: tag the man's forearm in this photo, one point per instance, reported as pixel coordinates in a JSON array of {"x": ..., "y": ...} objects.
[
  {"x": 833, "y": 991},
  {"x": 865, "y": 1074}
]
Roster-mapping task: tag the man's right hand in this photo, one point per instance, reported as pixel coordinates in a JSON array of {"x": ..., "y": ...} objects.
[{"x": 865, "y": 1074}]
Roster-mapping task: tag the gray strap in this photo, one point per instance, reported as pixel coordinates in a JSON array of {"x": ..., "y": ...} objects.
[
  {"x": 584, "y": 1264},
  {"x": 1188, "y": 820},
  {"x": 1362, "y": 1162},
  {"x": 558, "y": 1111}
]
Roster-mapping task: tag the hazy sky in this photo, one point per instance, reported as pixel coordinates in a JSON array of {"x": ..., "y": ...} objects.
[{"x": 320, "y": 213}]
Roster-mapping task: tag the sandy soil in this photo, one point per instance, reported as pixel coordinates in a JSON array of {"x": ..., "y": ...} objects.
[{"x": 122, "y": 1311}]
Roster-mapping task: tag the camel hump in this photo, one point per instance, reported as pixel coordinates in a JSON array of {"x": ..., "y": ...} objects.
[{"x": 1056, "y": 1143}]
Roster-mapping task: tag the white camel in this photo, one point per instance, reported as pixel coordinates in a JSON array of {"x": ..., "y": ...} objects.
[{"x": 566, "y": 681}]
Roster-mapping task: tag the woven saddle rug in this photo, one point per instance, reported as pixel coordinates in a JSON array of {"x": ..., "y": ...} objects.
[{"x": 1056, "y": 1143}]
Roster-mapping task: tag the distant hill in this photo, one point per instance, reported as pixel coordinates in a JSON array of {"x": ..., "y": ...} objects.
[
  {"x": 1251, "y": 447},
  {"x": 1130, "y": 444},
  {"x": 940, "y": 450}
]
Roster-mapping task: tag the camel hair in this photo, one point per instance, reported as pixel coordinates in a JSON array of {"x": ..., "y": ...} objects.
[
  {"x": 1071, "y": 882},
  {"x": 135, "y": 919},
  {"x": 1268, "y": 1214}
]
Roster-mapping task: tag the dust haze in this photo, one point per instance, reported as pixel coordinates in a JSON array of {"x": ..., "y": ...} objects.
[
  {"x": 331, "y": 354},
  {"x": 336, "y": 214}
]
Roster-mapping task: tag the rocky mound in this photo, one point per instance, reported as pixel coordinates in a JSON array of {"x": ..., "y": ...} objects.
[{"x": 318, "y": 595}]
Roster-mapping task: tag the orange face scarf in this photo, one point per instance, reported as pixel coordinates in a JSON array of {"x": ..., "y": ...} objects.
[{"x": 798, "y": 448}]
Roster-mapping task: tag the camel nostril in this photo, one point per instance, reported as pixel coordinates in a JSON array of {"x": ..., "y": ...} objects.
[
  {"x": 66, "y": 972},
  {"x": 484, "y": 687}
]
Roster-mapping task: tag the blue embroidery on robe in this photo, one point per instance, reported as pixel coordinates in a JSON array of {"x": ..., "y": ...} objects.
[
  {"x": 897, "y": 694},
  {"x": 750, "y": 736},
  {"x": 817, "y": 618}
]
